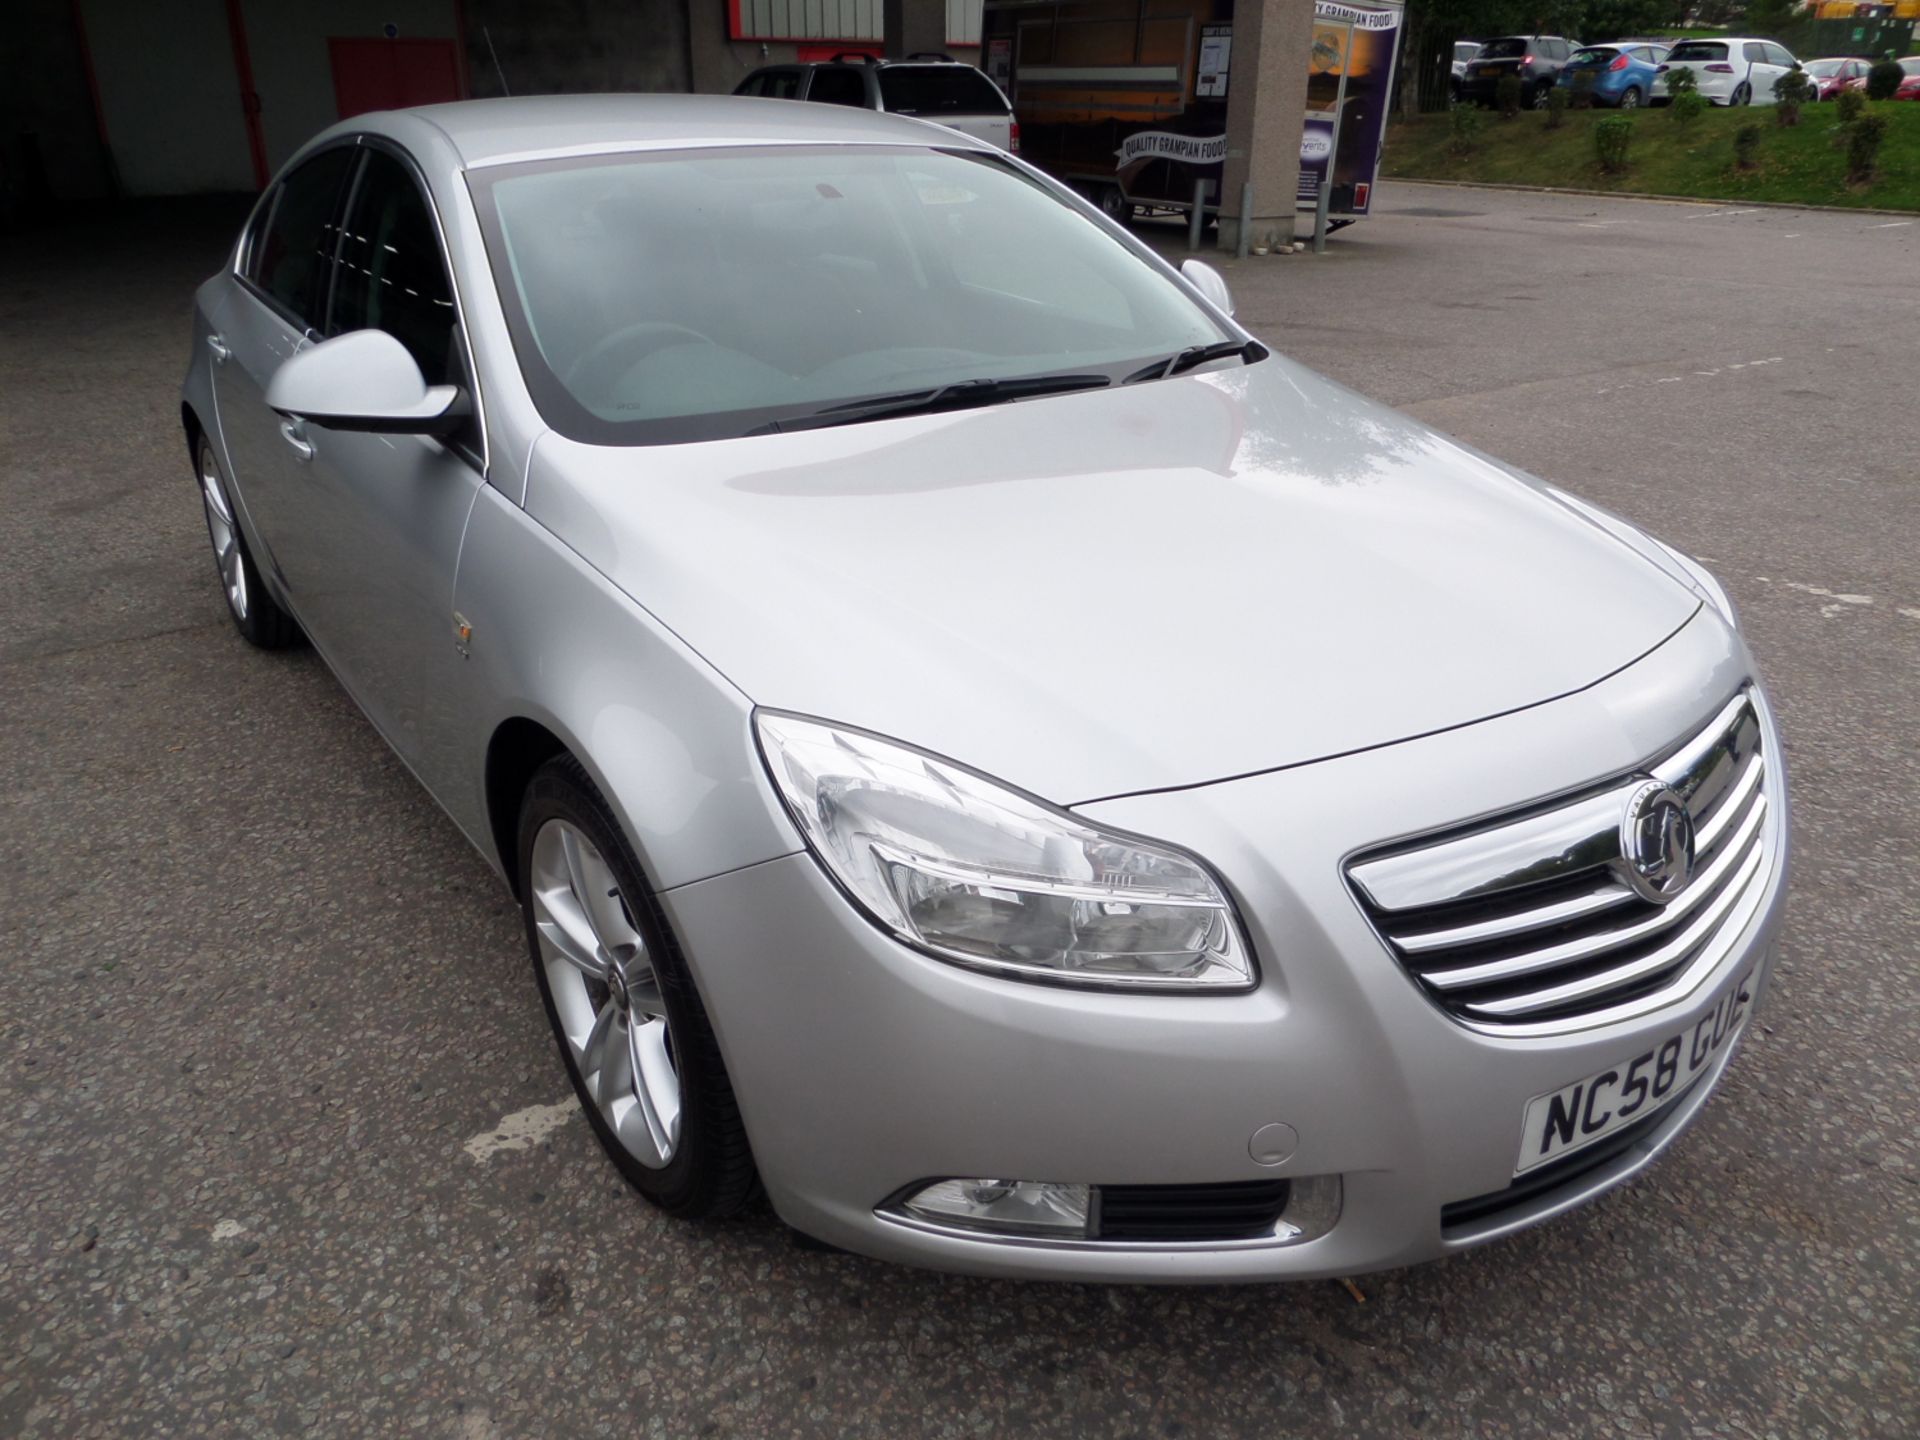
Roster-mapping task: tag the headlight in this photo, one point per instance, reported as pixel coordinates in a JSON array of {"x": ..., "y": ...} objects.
[{"x": 973, "y": 872}]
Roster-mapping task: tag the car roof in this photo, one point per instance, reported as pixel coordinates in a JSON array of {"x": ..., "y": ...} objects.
[{"x": 532, "y": 127}]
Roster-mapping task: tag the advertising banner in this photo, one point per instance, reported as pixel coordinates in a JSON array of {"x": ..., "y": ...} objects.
[
  {"x": 1349, "y": 89},
  {"x": 1165, "y": 145}
]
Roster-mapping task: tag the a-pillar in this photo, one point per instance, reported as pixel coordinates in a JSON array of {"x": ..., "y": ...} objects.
[
  {"x": 914, "y": 27},
  {"x": 1266, "y": 110}
]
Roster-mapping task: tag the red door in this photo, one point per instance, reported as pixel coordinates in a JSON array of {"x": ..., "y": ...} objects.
[{"x": 380, "y": 74}]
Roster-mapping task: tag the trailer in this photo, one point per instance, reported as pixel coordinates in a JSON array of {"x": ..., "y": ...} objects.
[{"x": 1126, "y": 100}]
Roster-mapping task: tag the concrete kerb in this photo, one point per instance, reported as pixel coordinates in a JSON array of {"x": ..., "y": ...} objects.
[{"x": 1663, "y": 199}]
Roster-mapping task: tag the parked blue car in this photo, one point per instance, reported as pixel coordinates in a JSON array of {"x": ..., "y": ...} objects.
[{"x": 1622, "y": 73}]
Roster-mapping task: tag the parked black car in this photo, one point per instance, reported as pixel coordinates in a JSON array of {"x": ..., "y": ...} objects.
[{"x": 1536, "y": 59}]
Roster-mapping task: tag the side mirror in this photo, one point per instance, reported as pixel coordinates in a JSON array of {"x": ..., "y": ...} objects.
[
  {"x": 1209, "y": 282},
  {"x": 364, "y": 380}
]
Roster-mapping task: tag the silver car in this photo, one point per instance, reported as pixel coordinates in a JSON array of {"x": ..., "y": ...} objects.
[{"x": 986, "y": 749}]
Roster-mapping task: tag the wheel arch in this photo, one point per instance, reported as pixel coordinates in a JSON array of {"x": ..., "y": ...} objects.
[
  {"x": 517, "y": 749},
  {"x": 190, "y": 422}
]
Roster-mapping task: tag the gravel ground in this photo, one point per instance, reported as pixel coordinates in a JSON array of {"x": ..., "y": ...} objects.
[{"x": 259, "y": 997}]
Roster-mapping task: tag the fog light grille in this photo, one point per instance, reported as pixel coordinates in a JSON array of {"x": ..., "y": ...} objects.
[
  {"x": 1241, "y": 1210},
  {"x": 1231, "y": 1213}
]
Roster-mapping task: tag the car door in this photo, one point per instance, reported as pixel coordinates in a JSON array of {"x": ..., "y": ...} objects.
[
  {"x": 1782, "y": 62},
  {"x": 384, "y": 514},
  {"x": 1759, "y": 73},
  {"x": 277, "y": 303}
]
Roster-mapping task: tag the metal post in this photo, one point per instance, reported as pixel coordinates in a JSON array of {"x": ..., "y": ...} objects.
[
  {"x": 1197, "y": 221},
  {"x": 1246, "y": 220},
  {"x": 1324, "y": 201}
]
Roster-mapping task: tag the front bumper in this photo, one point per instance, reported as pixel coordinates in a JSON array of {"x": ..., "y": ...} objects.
[{"x": 862, "y": 1066}]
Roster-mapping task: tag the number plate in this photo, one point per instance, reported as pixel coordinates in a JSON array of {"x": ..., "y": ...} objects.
[{"x": 1574, "y": 1116}]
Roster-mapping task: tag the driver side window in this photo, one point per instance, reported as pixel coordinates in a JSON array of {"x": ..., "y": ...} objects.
[{"x": 391, "y": 276}]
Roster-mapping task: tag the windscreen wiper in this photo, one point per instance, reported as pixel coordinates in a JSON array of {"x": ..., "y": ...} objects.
[
  {"x": 1193, "y": 355},
  {"x": 959, "y": 395}
]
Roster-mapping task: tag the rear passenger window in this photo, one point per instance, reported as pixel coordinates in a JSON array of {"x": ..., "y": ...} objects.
[
  {"x": 838, "y": 85},
  {"x": 939, "y": 90},
  {"x": 289, "y": 258},
  {"x": 391, "y": 275}
]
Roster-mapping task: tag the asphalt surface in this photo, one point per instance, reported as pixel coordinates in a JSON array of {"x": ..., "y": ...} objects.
[{"x": 259, "y": 997}]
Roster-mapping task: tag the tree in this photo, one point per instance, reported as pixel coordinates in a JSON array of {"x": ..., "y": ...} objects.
[{"x": 1769, "y": 17}]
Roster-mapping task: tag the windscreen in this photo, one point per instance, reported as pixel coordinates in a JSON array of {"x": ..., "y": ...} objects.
[
  {"x": 1503, "y": 50},
  {"x": 1465, "y": 50},
  {"x": 1824, "y": 67},
  {"x": 1697, "y": 50},
  {"x": 688, "y": 295},
  {"x": 1910, "y": 65},
  {"x": 934, "y": 90}
]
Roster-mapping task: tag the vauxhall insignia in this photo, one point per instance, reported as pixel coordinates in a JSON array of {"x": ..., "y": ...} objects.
[{"x": 1656, "y": 843}]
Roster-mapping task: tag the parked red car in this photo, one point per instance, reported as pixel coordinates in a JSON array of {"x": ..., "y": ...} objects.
[
  {"x": 1832, "y": 76},
  {"x": 1909, "y": 80}
]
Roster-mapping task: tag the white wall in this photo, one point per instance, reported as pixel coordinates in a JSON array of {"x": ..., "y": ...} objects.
[
  {"x": 291, "y": 67},
  {"x": 168, "y": 91},
  {"x": 842, "y": 19}
]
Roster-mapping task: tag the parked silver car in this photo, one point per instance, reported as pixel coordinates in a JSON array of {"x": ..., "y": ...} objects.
[{"x": 985, "y": 747}]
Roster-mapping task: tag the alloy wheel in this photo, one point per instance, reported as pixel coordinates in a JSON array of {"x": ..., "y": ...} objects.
[
  {"x": 1630, "y": 100},
  {"x": 224, "y": 531},
  {"x": 606, "y": 994}
]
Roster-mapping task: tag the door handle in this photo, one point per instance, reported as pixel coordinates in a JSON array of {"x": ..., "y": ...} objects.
[
  {"x": 294, "y": 432},
  {"x": 219, "y": 349}
]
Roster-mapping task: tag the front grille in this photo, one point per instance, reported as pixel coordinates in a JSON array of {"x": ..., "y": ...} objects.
[
  {"x": 1235, "y": 1210},
  {"x": 1523, "y": 924}
]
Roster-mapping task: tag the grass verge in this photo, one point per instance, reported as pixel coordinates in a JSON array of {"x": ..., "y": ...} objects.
[{"x": 1805, "y": 164}]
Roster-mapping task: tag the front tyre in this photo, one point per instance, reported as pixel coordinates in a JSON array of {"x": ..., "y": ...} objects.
[
  {"x": 255, "y": 615},
  {"x": 628, "y": 1022}
]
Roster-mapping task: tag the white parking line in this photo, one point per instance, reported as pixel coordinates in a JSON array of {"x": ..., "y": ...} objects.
[
  {"x": 1805, "y": 589},
  {"x": 521, "y": 1130},
  {"x": 1890, "y": 225}
]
